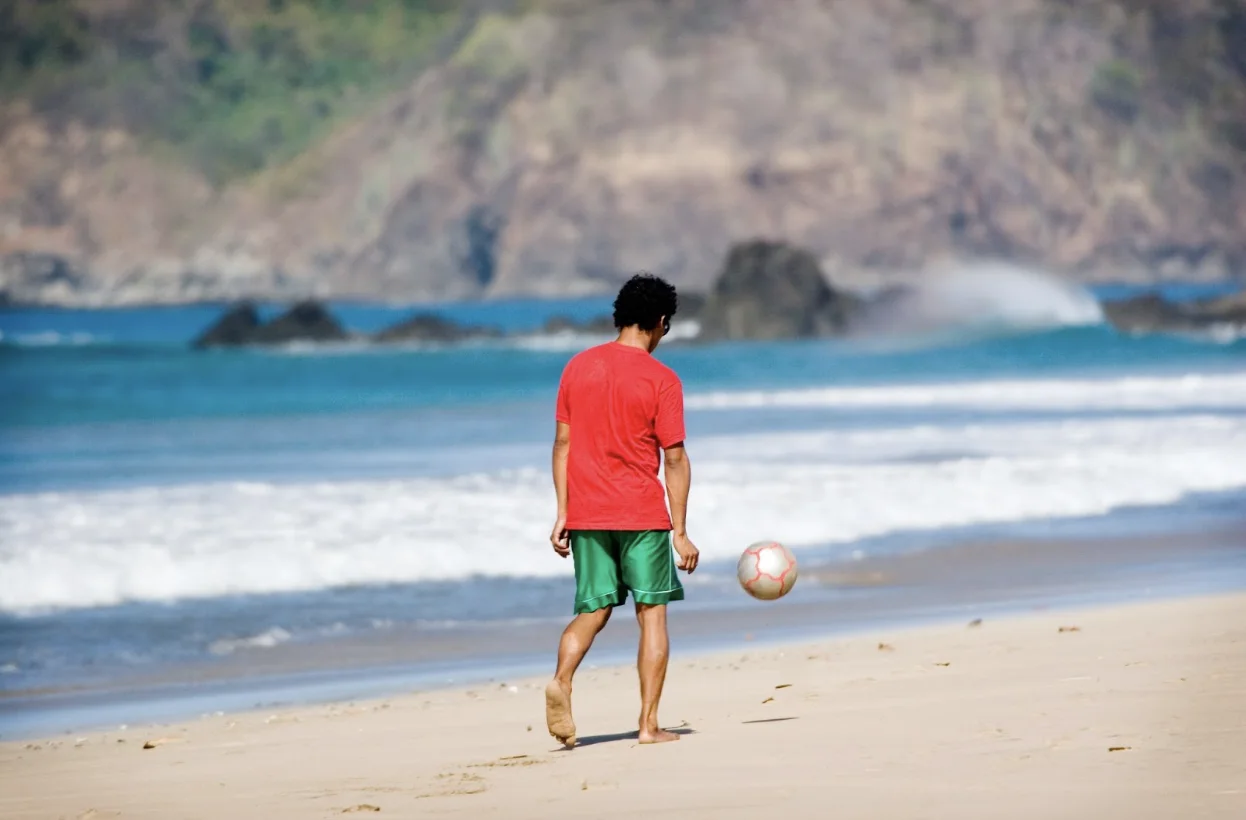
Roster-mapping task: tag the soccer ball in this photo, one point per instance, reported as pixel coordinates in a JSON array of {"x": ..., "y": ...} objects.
[{"x": 767, "y": 570}]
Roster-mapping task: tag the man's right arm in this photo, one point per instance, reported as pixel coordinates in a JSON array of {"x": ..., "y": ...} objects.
[
  {"x": 562, "y": 448},
  {"x": 559, "y": 537},
  {"x": 678, "y": 471}
]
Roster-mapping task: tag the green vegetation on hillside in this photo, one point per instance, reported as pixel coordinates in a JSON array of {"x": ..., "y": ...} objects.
[
  {"x": 40, "y": 36},
  {"x": 233, "y": 86}
]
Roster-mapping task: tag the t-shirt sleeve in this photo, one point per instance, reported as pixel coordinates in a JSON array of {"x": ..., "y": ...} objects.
[
  {"x": 562, "y": 407},
  {"x": 669, "y": 426}
]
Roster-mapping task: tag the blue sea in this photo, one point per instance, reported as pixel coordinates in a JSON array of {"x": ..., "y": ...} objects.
[{"x": 163, "y": 506}]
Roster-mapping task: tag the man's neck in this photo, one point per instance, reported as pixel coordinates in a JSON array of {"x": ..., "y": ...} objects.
[{"x": 635, "y": 337}]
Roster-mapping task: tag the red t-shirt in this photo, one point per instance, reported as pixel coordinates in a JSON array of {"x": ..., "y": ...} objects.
[{"x": 624, "y": 407}]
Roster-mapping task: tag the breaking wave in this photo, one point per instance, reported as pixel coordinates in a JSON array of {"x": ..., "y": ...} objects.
[
  {"x": 980, "y": 298},
  {"x": 74, "y": 549}
]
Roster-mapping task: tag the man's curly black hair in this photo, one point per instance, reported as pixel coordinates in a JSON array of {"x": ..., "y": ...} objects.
[{"x": 643, "y": 301}]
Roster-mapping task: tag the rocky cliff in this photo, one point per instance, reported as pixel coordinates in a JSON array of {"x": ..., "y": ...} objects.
[{"x": 167, "y": 152}]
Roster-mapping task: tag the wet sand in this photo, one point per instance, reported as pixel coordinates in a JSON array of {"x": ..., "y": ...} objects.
[
  {"x": 990, "y": 577},
  {"x": 1127, "y": 710}
]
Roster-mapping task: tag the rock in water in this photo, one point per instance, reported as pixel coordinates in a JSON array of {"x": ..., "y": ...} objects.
[
  {"x": 1146, "y": 314},
  {"x": 1152, "y": 313},
  {"x": 599, "y": 325},
  {"x": 1230, "y": 309},
  {"x": 428, "y": 327},
  {"x": 236, "y": 327},
  {"x": 689, "y": 308},
  {"x": 772, "y": 290},
  {"x": 307, "y": 321}
]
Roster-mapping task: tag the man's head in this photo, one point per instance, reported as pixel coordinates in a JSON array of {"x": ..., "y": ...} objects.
[{"x": 646, "y": 303}]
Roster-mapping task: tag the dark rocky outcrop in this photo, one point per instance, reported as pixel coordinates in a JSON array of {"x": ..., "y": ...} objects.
[
  {"x": 1152, "y": 313},
  {"x": 1231, "y": 308},
  {"x": 429, "y": 327},
  {"x": 598, "y": 325},
  {"x": 1146, "y": 314},
  {"x": 311, "y": 321},
  {"x": 691, "y": 304},
  {"x": 307, "y": 321},
  {"x": 237, "y": 327},
  {"x": 773, "y": 290}
]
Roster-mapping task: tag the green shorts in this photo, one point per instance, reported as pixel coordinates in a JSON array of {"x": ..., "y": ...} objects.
[{"x": 609, "y": 563}]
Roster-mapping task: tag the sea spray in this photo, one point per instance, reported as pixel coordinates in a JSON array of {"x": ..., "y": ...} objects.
[{"x": 976, "y": 299}]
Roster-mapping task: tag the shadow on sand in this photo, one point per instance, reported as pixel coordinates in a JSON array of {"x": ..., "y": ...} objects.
[{"x": 593, "y": 740}]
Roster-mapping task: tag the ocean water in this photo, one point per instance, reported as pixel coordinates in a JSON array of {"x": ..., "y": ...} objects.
[{"x": 161, "y": 505}]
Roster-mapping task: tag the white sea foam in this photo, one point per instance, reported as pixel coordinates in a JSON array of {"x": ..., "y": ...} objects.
[
  {"x": 1225, "y": 333},
  {"x": 1187, "y": 392},
  {"x": 51, "y": 338},
  {"x": 567, "y": 340},
  {"x": 77, "y": 549},
  {"x": 571, "y": 340},
  {"x": 265, "y": 640}
]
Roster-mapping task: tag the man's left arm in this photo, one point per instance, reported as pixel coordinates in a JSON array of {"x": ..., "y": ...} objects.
[{"x": 669, "y": 427}]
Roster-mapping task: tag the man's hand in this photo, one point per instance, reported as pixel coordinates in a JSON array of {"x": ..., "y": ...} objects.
[
  {"x": 560, "y": 538},
  {"x": 688, "y": 553}
]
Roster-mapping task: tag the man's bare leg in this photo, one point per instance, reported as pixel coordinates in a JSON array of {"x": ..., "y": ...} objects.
[
  {"x": 655, "y": 648},
  {"x": 577, "y": 638}
]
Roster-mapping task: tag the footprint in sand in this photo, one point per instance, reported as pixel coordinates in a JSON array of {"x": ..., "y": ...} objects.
[
  {"x": 453, "y": 784},
  {"x": 509, "y": 762}
]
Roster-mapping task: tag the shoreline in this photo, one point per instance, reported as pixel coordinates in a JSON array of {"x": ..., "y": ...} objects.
[
  {"x": 1129, "y": 707},
  {"x": 991, "y": 578}
]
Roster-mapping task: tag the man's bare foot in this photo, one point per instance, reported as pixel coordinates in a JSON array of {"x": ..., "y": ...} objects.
[
  {"x": 558, "y": 714},
  {"x": 657, "y": 736}
]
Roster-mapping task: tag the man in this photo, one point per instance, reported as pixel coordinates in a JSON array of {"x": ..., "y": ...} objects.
[{"x": 617, "y": 408}]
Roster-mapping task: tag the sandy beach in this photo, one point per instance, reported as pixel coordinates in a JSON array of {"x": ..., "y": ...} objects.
[{"x": 1134, "y": 710}]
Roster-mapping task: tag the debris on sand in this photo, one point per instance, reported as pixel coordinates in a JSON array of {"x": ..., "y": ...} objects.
[{"x": 160, "y": 741}]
